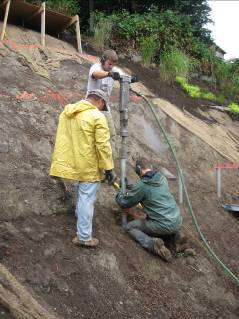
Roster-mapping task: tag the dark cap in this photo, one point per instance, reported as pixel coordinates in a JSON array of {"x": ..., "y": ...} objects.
[{"x": 102, "y": 94}]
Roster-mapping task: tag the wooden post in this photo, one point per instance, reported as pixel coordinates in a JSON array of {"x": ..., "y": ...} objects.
[
  {"x": 43, "y": 24},
  {"x": 5, "y": 19},
  {"x": 78, "y": 37}
]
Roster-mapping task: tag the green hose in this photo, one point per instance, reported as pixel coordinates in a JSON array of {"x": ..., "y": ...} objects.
[{"x": 208, "y": 248}]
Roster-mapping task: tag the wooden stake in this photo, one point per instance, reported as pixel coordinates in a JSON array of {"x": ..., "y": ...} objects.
[
  {"x": 43, "y": 24},
  {"x": 78, "y": 37},
  {"x": 5, "y": 19}
]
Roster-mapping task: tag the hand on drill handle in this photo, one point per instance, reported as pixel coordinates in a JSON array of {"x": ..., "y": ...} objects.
[{"x": 110, "y": 176}]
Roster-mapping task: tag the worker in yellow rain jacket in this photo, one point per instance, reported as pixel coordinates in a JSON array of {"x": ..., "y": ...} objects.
[{"x": 83, "y": 153}]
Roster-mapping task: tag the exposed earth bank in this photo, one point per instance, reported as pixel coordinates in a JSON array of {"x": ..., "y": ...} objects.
[{"x": 119, "y": 279}]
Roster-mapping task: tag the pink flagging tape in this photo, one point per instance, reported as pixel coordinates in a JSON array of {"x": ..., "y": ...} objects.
[
  {"x": 226, "y": 165},
  {"x": 25, "y": 96}
]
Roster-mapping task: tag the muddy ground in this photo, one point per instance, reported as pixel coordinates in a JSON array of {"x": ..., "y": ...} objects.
[{"x": 119, "y": 279}]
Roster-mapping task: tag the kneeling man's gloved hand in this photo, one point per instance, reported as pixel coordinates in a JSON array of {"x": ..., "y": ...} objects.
[
  {"x": 110, "y": 176},
  {"x": 128, "y": 186}
]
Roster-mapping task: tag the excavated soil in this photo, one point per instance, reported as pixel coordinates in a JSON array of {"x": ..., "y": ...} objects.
[{"x": 119, "y": 279}]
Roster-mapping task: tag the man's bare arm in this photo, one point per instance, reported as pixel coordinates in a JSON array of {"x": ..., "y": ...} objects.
[{"x": 96, "y": 75}]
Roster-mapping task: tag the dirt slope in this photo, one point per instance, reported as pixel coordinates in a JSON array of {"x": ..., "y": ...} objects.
[{"x": 120, "y": 279}]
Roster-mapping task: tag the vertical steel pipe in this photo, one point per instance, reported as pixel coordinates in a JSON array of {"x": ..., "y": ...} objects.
[
  {"x": 123, "y": 108},
  {"x": 218, "y": 182}
]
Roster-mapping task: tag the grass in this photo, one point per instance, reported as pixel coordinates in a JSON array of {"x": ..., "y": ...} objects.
[
  {"x": 174, "y": 63},
  {"x": 102, "y": 32},
  {"x": 148, "y": 47},
  {"x": 227, "y": 76}
]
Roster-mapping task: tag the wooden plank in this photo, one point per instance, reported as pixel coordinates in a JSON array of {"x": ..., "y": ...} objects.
[
  {"x": 3, "y": 3},
  {"x": 5, "y": 19},
  {"x": 18, "y": 300},
  {"x": 72, "y": 21},
  {"x": 43, "y": 24},
  {"x": 33, "y": 15},
  {"x": 30, "y": 15},
  {"x": 78, "y": 37}
]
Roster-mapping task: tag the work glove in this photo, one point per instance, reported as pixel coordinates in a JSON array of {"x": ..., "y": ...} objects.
[
  {"x": 110, "y": 176},
  {"x": 114, "y": 75},
  {"x": 128, "y": 186},
  {"x": 134, "y": 78}
]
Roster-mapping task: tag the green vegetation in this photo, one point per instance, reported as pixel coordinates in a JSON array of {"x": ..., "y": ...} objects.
[
  {"x": 167, "y": 28},
  {"x": 174, "y": 63},
  {"x": 69, "y": 7},
  {"x": 170, "y": 33},
  {"x": 227, "y": 76},
  {"x": 208, "y": 96},
  {"x": 148, "y": 47},
  {"x": 102, "y": 31},
  {"x": 192, "y": 90},
  {"x": 234, "y": 108},
  {"x": 195, "y": 91}
]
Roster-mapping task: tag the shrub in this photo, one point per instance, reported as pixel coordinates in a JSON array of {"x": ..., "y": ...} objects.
[
  {"x": 148, "y": 48},
  {"x": 193, "y": 90},
  {"x": 221, "y": 99},
  {"x": 181, "y": 80},
  {"x": 174, "y": 63},
  {"x": 233, "y": 108},
  {"x": 208, "y": 96}
]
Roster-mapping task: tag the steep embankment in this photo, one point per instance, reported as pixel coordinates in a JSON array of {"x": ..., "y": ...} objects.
[{"x": 118, "y": 280}]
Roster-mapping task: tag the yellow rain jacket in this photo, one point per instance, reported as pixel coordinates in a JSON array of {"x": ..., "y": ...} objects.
[{"x": 82, "y": 148}]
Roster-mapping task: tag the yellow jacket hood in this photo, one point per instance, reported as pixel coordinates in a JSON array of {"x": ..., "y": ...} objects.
[{"x": 71, "y": 110}]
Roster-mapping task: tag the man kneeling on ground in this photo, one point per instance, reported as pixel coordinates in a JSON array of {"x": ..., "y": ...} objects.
[{"x": 163, "y": 217}]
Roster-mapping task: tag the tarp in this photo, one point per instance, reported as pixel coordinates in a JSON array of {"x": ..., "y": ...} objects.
[
  {"x": 20, "y": 11},
  {"x": 220, "y": 136}
]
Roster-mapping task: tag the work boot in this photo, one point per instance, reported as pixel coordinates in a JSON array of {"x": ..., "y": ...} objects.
[
  {"x": 161, "y": 250},
  {"x": 182, "y": 244},
  {"x": 182, "y": 247},
  {"x": 189, "y": 252},
  {"x": 174, "y": 241},
  {"x": 94, "y": 242}
]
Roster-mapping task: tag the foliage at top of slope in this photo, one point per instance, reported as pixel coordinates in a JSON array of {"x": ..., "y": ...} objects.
[{"x": 69, "y": 7}]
